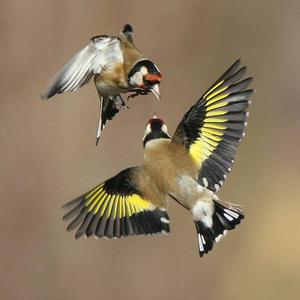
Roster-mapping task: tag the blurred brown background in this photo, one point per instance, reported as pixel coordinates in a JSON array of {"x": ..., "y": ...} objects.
[{"x": 48, "y": 153}]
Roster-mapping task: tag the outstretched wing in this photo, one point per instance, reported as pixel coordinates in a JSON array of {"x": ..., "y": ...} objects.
[
  {"x": 116, "y": 208},
  {"x": 100, "y": 53},
  {"x": 212, "y": 129}
]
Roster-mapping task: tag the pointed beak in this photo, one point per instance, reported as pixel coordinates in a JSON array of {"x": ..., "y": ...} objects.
[{"x": 155, "y": 90}]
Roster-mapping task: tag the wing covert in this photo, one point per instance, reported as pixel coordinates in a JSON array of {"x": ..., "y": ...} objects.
[
  {"x": 116, "y": 208},
  {"x": 212, "y": 129}
]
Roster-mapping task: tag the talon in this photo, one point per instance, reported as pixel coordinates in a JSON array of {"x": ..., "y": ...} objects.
[
  {"x": 131, "y": 96},
  {"x": 138, "y": 92}
]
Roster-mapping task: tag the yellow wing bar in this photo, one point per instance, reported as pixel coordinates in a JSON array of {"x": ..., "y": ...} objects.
[
  {"x": 214, "y": 126},
  {"x": 116, "y": 208},
  {"x": 115, "y": 204}
]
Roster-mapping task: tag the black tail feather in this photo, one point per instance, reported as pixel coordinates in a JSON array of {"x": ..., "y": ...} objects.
[
  {"x": 226, "y": 216},
  {"x": 127, "y": 28},
  {"x": 128, "y": 32}
]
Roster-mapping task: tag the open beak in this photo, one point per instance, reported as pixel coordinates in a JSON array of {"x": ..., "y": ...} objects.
[{"x": 155, "y": 90}]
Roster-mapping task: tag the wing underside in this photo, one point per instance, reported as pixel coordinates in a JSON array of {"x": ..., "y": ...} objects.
[
  {"x": 114, "y": 209},
  {"x": 100, "y": 53},
  {"x": 213, "y": 128}
]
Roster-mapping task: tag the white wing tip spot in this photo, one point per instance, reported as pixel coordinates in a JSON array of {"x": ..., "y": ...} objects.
[
  {"x": 205, "y": 182},
  {"x": 217, "y": 239},
  {"x": 165, "y": 232},
  {"x": 217, "y": 187},
  {"x": 164, "y": 220}
]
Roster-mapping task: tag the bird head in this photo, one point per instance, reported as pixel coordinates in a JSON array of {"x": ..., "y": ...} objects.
[
  {"x": 145, "y": 76},
  {"x": 155, "y": 129}
]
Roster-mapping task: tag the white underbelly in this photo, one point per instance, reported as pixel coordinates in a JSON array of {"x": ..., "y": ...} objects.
[{"x": 189, "y": 191}]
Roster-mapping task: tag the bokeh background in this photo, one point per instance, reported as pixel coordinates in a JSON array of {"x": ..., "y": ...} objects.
[{"x": 48, "y": 153}]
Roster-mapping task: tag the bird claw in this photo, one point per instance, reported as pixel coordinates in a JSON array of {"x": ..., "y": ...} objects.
[{"x": 137, "y": 93}]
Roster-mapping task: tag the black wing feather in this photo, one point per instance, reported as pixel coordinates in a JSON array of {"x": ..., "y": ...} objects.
[
  {"x": 212, "y": 129},
  {"x": 114, "y": 209}
]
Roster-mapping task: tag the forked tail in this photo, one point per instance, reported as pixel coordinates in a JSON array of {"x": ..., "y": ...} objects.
[{"x": 226, "y": 216}]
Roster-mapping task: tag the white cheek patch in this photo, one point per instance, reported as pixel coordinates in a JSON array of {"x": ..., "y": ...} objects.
[
  {"x": 144, "y": 70},
  {"x": 147, "y": 130},
  {"x": 137, "y": 78},
  {"x": 164, "y": 128}
]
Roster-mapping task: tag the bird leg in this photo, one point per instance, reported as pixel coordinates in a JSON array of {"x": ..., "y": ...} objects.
[{"x": 119, "y": 102}]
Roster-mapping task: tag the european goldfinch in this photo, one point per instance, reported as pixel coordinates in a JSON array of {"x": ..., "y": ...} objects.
[
  {"x": 117, "y": 67},
  {"x": 189, "y": 168}
]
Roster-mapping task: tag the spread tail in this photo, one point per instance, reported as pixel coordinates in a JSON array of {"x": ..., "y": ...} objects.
[{"x": 226, "y": 216}]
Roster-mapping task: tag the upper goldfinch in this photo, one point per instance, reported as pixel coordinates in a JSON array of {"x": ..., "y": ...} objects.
[
  {"x": 189, "y": 168},
  {"x": 117, "y": 67}
]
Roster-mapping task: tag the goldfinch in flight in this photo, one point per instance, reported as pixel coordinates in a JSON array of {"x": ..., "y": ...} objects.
[
  {"x": 117, "y": 67},
  {"x": 188, "y": 168}
]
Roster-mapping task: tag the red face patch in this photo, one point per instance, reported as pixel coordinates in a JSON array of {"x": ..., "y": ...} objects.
[{"x": 155, "y": 78}]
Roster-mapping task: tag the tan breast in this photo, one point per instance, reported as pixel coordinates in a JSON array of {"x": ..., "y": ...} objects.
[
  {"x": 164, "y": 163},
  {"x": 112, "y": 81}
]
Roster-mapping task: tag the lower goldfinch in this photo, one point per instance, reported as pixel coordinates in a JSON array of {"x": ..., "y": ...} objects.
[{"x": 189, "y": 168}]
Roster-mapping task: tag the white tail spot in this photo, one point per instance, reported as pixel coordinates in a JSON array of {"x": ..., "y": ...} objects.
[
  {"x": 203, "y": 239},
  {"x": 228, "y": 217},
  {"x": 201, "y": 247},
  {"x": 232, "y": 213},
  {"x": 221, "y": 235}
]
